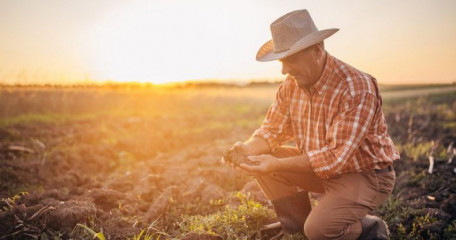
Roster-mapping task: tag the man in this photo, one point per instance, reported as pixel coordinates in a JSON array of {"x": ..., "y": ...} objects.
[{"x": 333, "y": 113}]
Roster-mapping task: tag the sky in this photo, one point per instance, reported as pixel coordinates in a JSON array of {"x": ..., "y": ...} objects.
[{"x": 159, "y": 41}]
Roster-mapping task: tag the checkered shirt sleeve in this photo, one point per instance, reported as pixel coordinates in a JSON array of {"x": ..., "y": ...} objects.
[{"x": 276, "y": 128}]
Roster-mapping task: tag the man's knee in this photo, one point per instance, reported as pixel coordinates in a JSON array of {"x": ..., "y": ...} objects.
[
  {"x": 331, "y": 230},
  {"x": 312, "y": 229},
  {"x": 322, "y": 227}
]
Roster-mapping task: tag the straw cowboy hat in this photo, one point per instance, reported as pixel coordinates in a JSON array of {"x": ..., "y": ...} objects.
[{"x": 292, "y": 33}]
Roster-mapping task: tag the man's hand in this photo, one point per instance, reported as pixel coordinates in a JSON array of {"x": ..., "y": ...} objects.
[
  {"x": 252, "y": 147},
  {"x": 235, "y": 155},
  {"x": 263, "y": 164}
]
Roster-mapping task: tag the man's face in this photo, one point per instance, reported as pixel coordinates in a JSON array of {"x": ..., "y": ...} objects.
[{"x": 302, "y": 67}]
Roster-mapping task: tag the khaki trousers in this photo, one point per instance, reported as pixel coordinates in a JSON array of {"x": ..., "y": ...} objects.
[{"x": 345, "y": 201}]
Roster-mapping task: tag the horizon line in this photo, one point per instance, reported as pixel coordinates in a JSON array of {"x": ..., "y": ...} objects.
[{"x": 184, "y": 84}]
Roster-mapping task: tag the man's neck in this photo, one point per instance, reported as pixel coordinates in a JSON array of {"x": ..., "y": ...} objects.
[
  {"x": 321, "y": 67},
  {"x": 319, "y": 71}
]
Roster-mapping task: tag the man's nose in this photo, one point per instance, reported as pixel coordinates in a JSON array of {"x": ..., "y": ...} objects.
[{"x": 285, "y": 68}]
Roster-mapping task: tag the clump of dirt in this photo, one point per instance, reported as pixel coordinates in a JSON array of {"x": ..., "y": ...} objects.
[
  {"x": 236, "y": 156},
  {"x": 108, "y": 199},
  {"x": 161, "y": 204},
  {"x": 68, "y": 214},
  {"x": 17, "y": 222},
  {"x": 21, "y": 221}
]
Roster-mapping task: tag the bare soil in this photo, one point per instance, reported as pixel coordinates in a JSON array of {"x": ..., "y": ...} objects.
[{"x": 105, "y": 174}]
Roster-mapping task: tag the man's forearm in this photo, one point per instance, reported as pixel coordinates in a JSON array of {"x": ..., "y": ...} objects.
[
  {"x": 299, "y": 163},
  {"x": 258, "y": 149},
  {"x": 268, "y": 163},
  {"x": 256, "y": 146}
]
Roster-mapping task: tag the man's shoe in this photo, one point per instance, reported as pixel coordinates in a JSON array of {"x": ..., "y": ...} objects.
[
  {"x": 292, "y": 211},
  {"x": 373, "y": 228}
]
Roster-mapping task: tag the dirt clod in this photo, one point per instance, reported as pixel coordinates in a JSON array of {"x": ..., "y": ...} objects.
[
  {"x": 236, "y": 156},
  {"x": 70, "y": 213},
  {"x": 161, "y": 204}
]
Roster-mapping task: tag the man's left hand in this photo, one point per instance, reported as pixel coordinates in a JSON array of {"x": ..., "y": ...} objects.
[{"x": 266, "y": 164}]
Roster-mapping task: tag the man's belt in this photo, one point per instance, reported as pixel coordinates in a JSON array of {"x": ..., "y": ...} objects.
[{"x": 387, "y": 169}]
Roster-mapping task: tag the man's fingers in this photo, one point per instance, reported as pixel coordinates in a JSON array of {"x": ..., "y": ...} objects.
[
  {"x": 246, "y": 167},
  {"x": 250, "y": 169},
  {"x": 256, "y": 158}
]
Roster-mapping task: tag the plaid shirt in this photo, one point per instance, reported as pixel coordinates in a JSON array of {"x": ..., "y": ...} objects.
[{"x": 338, "y": 122}]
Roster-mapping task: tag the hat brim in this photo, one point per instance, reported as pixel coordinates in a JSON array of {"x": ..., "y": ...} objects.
[{"x": 266, "y": 52}]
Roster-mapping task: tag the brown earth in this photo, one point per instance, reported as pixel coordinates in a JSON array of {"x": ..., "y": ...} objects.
[
  {"x": 94, "y": 187},
  {"x": 75, "y": 173}
]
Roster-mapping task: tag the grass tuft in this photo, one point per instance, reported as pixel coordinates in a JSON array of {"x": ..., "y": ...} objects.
[{"x": 242, "y": 222}]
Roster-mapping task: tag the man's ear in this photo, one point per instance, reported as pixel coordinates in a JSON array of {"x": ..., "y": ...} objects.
[{"x": 318, "y": 50}]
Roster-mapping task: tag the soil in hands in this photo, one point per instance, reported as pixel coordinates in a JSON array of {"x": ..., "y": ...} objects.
[{"x": 236, "y": 156}]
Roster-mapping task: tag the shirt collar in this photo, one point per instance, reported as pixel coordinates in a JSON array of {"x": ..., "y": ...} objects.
[{"x": 321, "y": 85}]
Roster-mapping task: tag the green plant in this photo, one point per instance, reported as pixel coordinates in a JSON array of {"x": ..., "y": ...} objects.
[
  {"x": 417, "y": 230},
  {"x": 241, "y": 222},
  {"x": 390, "y": 209},
  {"x": 11, "y": 201},
  {"x": 450, "y": 231},
  {"x": 296, "y": 236},
  {"x": 98, "y": 235},
  {"x": 143, "y": 236},
  {"x": 401, "y": 233},
  {"x": 415, "y": 151}
]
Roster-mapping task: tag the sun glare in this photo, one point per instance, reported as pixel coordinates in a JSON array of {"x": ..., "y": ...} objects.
[{"x": 147, "y": 41}]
